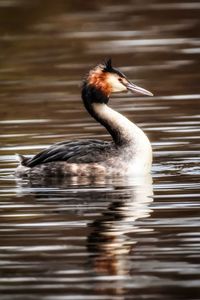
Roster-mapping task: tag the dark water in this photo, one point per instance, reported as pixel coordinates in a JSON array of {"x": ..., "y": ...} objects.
[{"x": 120, "y": 238}]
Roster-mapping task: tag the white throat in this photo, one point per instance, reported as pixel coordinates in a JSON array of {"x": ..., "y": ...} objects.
[
  {"x": 128, "y": 130},
  {"x": 136, "y": 139}
]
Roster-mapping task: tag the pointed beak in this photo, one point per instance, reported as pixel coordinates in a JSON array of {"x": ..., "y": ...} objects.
[{"x": 136, "y": 89}]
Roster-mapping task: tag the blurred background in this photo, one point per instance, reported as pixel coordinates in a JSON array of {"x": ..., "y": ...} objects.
[
  {"x": 82, "y": 240},
  {"x": 48, "y": 46}
]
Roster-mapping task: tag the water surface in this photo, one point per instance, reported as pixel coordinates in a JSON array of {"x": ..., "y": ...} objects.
[{"x": 116, "y": 238}]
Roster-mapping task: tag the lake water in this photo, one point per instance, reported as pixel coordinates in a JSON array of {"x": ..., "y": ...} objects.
[{"x": 100, "y": 239}]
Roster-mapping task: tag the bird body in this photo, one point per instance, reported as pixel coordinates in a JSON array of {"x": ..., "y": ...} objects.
[{"x": 128, "y": 153}]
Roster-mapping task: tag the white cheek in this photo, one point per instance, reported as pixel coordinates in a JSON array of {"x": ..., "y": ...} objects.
[{"x": 116, "y": 85}]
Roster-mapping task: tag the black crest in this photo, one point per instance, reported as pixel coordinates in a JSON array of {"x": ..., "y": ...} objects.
[{"x": 108, "y": 66}]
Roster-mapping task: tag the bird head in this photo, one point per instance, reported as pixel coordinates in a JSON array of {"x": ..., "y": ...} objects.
[{"x": 110, "y": 80}]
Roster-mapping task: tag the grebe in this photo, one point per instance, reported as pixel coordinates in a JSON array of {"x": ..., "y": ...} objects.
[{"x": 129, "y": 152}]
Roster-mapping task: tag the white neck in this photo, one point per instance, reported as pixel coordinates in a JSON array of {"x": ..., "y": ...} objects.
[
  {"x": 132, "y": 143},
  {"x": 128, "y": 131},
  {"x": 131, "y": 136}
]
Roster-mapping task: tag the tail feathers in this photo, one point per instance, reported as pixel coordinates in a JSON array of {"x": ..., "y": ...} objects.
[{"x": 22, "y": 159}]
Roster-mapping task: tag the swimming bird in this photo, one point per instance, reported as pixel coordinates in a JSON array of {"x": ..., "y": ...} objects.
[{"x": 129, "y": 151}]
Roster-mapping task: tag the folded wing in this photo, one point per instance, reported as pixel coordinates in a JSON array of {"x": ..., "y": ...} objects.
[{"x": 81, "y": 151}]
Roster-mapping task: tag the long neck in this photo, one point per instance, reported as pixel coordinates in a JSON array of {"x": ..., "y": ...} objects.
[{"x": 120, "y": 128}]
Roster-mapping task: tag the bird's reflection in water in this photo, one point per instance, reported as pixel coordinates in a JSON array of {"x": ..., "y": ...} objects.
[
  {"x": 109, "y": 243},
  {"x": 63, "y": 182},
  {"x": 113, "y": 234}
]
